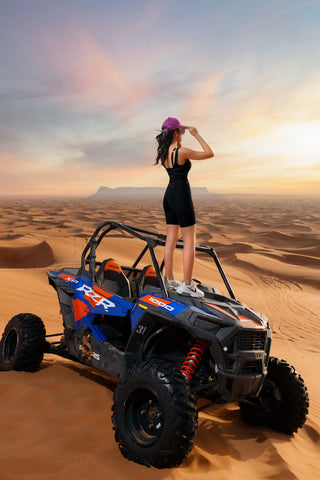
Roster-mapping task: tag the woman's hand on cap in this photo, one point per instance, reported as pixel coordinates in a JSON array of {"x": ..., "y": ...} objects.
[{"x": 193, "y": 131}]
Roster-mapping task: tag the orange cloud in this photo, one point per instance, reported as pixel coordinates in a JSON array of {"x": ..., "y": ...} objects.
[
  {"x": 258, "y": 115},
  {"x": 200, "y": 102},
  {"x": 93, "y": 78}
]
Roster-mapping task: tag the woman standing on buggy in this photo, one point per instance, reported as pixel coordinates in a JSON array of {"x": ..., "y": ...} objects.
[{"x": 177, "y": 201}]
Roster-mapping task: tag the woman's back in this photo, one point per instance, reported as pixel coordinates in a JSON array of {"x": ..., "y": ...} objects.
[{"x": 176, "y": 171}]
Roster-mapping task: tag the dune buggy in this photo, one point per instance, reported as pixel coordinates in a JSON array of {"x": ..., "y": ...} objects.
[{"x": 166, "y": 350}]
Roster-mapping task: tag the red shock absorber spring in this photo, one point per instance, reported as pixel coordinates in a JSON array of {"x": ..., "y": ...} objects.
[{"x": 193, "y": 358}]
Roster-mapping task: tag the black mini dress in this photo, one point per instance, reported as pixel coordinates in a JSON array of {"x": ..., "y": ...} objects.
[{"x": 177, "y": 200}]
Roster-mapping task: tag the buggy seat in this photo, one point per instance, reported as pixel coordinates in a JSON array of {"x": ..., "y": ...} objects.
[
  {"x": 111, "y": 278},
  {"x": 148, "y": 280}
]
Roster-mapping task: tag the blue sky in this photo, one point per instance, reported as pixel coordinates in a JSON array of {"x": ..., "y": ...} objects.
[{"x": 85, "y": 85}]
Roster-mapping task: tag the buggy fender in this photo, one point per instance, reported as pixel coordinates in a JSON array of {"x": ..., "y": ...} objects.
[
  {"x": 148, "y": 324},
  {"x": 65, "y": 293},
  {"x": 59, "y": 283}
]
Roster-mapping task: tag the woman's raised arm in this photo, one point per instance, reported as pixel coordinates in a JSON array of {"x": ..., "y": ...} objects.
[{"x": 194, "y": 154}]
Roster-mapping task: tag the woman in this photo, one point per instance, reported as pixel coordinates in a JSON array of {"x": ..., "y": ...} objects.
[{"x": 177, "y": 201}]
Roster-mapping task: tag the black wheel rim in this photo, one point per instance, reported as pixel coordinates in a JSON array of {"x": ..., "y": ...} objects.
[
  {"x": 10, "y": 346},
  {"x": 144, "y": 417},
  {"x": 269, "y": 402}
]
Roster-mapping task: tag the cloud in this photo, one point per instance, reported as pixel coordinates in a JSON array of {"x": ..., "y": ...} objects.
[
  {"x": 87, "y": 67},
  {"x": 118, "y": 152},
  {"x": 74, "y": 69},
  {"x": 200, "y": 101}
]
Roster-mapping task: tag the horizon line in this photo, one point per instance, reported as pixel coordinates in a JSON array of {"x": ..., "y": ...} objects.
[{"x": 26, "y": 196}]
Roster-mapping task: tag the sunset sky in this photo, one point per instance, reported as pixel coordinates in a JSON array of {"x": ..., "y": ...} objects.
[{"x": 86, "y": 84}]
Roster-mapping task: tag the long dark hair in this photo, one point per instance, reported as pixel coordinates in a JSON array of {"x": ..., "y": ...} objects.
[{"x": 164, "y": 140}]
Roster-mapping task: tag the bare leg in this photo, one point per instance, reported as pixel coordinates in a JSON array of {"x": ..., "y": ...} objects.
[
  {"x": 172, "y": 238},
  {"x": 189, "y": 240}
]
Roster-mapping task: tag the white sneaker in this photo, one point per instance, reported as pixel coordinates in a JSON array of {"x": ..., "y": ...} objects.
[
  {"x": 172, "y": 284},
  {"x": 191, "y": 290}
]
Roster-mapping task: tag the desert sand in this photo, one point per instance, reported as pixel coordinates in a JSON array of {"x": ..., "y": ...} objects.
[{"x": 56, "y": 423}]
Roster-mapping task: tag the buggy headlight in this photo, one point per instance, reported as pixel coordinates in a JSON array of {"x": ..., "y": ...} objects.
[{"x": 206, "y": 323}]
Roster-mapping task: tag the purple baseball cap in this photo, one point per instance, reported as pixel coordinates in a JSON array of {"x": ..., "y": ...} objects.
[{"x": 171, "y": 124}]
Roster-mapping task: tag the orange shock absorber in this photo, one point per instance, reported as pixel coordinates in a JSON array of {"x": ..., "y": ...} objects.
[{"x": 193, "y": 359}]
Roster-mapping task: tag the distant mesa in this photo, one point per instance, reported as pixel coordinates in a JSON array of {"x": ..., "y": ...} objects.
[{"x": 144, "y": 192}]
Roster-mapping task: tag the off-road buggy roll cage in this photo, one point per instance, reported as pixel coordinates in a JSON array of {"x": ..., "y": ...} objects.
[{"x": 152, "y": 240}]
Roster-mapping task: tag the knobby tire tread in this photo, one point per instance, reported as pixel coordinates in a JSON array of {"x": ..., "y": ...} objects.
[
  {"x": 31, "y": 346},
  {"x": 178, "y": 441},
  {"x": 293, "y": 413}
]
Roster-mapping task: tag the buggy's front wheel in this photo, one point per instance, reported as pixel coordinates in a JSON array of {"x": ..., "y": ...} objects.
[
  {"x": 283, "y": 401},
  {"x": 23, "y": 343},
  {"x": 154, "y": 415}
]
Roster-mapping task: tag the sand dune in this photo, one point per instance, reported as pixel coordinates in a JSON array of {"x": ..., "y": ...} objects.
[
  {"x": 282, "y": 240},
  {"x": 56, "y": 423},
  {"x": 36, "y": 256}
]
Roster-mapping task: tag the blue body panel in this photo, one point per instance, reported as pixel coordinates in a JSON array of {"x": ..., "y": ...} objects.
[{"x": 90, "y": 300}]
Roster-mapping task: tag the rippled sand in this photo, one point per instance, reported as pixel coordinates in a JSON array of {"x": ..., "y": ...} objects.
[{"x": 56, "y": 423}]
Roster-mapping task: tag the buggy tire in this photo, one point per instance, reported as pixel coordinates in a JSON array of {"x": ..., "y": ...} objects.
[
  {"x": 154, "y": 415},
  {"x": 283, "y": 401},
  {"x": 23, "y": 343}
]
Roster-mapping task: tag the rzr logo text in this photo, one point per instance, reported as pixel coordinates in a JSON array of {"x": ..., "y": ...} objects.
[{"x": 98, "y": 299}]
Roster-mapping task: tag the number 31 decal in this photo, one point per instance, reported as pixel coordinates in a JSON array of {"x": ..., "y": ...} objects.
[{"x": 141, "y": 329}]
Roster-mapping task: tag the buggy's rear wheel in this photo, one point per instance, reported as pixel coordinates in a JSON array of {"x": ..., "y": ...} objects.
[
  {"x": 283, "y": 401},
  {"x": 23, "y": 343},
  {"x": 154, "y": 415}
]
